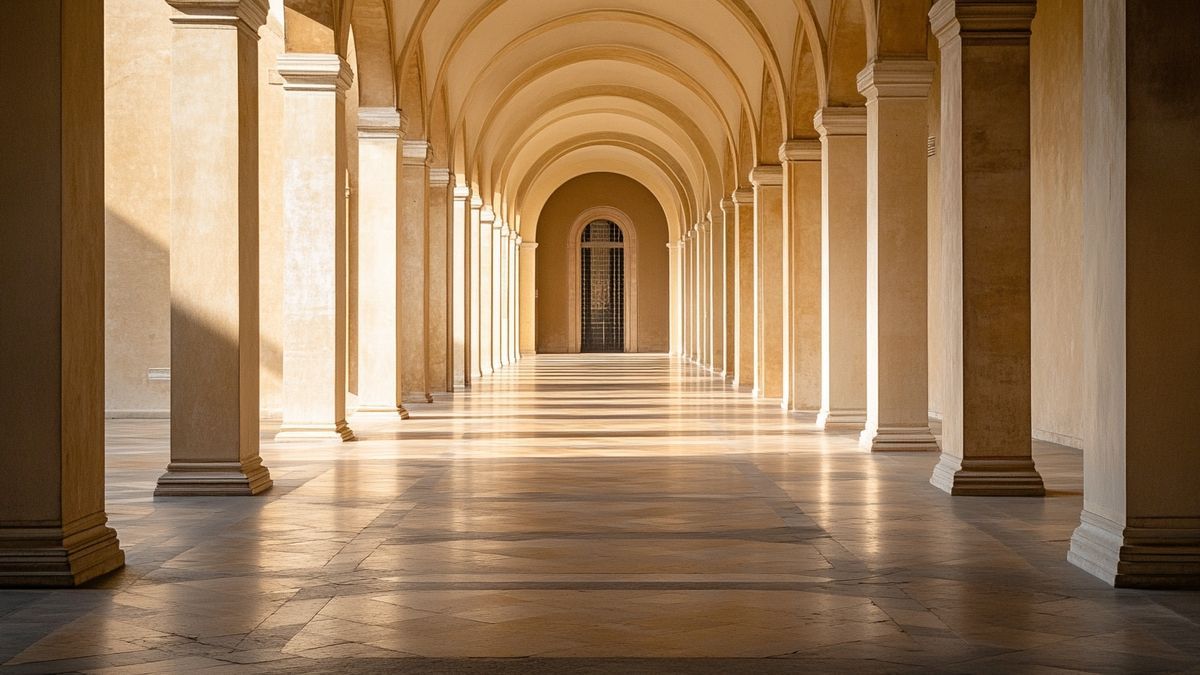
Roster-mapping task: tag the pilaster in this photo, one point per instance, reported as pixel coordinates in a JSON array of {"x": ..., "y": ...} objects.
[
  {"x": 460, "y": 286},
  {"x": 743, "y": 377},
  {"x": 475, "y": 227},
  {"x": 528, "y": 272},
  {"x": 440, "y": 272},
  {"x": 729, "y": 289},
  {"x": 495, "y": 344},
  {"x": 801, "y": 160},
  {"x": 415, "y": 273},
  {"x": 486, "y": 264},
  {"x": 770, "y": 265}
]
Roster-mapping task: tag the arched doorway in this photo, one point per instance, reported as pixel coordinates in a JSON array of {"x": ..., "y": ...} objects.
[
  {"x": 603, "y": 293},
  {"x": 602, "y": 288}
]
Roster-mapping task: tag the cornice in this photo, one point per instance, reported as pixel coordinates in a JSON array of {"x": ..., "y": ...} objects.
[
  {"x": 439, "y": 178},
  {"x": 247, "y": 15},
  {"x": 461, "y": 193},
  {"x": 531, "y": 245},
  {"x": 766, "y": 175},
  {"x": 800, "y": 150},
  {"x": 841, "y": 121},
  {"x": 417, "y": 152},
  {"x": 743, "y": 196},
  {"x": 983, "y": 21},
  {"x": 726, "y": 204},
  {"x": 381, "y": 123},
  {"x": 314, "y": 72},
  {"x": 896, "y": 78}
]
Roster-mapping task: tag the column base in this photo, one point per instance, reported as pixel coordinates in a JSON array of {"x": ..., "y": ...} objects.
[
  {"x": 418, "y": 397},
  {"x": 988, "y": 476},
  {"x": 898, "y": 439},
  {"x": 337, "y": 432},
  {"x": 214, "y": 479},
  {"x": 841, "y": 420},
  {"x": 383, "y": 410},
  {"x": 1136, "y": 557},
  {"x": 59, "y": 557}
]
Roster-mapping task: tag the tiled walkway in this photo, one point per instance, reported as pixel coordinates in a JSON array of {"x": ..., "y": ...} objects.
[{"x": 620, "y": 513}]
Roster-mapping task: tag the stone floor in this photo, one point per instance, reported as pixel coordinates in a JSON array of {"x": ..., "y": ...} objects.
[{"x": 588, "y": 514}]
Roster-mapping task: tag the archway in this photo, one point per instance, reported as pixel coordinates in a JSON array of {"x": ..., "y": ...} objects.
[{"x": 603, "y": 282}]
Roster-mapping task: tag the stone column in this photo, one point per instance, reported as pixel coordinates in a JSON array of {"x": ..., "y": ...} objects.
[
  {"x": 314, "y": 245},
  {"x": 1140, "y": 525},
  {"x": 743, "y": 376},
  {"x": 514, "y": 299},
  {"x": 675, "y": 265},
  {"x": 897, "y": 94},
  {"x": 729, "y": 211},
  {"x": 985, "y": 214},
  {"x": 214, "y": 251},
  {"x": 415, "y": 274},
  {"x": 461, "y": 289},
  {"x": 706, "y": 306},
  {"x": 477, "y": 240},
  {"x": 498, "y": 227},
  {"x": 802, "y": 221},
  {"x": 686, "y": 291},
  {"x": 380, "y": 133},
  {"x": 486, "y": 240},
  {"x": 843, "y": 267},
  {"x": 53, "y": 526},
  {"x": 502, "y": 341},
  {"x": 768, "y": 272},
  {"x": 440, "y": 270},
  {"x": 717, "y": 266},
  {"x": 528, "y": 271}
]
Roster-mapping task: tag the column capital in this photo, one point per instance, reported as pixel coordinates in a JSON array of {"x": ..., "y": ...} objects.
[
  {"x": 417, "y": 152},
  {"x": 439, "y": 178},
  {"x": 801, "y": 150},
  {"x": 245, "y": 14},
  {"x": 476, "y": 202},
  {"x": 461, "y": 193},
  {"x": 1005, "y": 22},
  {"x": 314, "y": 72},
  {"x": 841, "y": 121},
  {"x": 531, "y": 245},
  {"x": 726, "y": 204},
  {"x": 766, "y": 175},
  {"x": 743, "y": 196},
  {"x": 381, "y": 123},
  {"x": 516, "y": 237},
  {"x": 896, "y": 78},
  {"x": 503, "y": 227},
  {"x": 486, "y": 214}
]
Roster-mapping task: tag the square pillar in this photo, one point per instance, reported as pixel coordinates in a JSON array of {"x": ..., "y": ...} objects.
[
  {"x": 415, "y": 274},
  {"x": 843, "y": 267},
  {"x": 314, "y": 247},
  {"x": 53, "y": 527},
  {"x": 1140, "y": 525},
  {"x": 769, "y": 266},
  {"x": 729, "y": 213},
  {"x": 461, "y": 370},
  {"x": 987, "y": 445},
  {"x": 897, "y": 94},
  {"x": 486, "y": 243},
  {"x": 495, "y": 343},
  {"x": 802, "y": 221},
  {"x": 440, "y": 271},
  {"x": 717, "y": 267},
  {"x": 476, "y": 238},
  {"x": 514, "y": 298},
  {"x": 743, "y": 377},
  {"x": 675, "y": 269},
  {"x": 380, "y": 135},
  {"x": 528, "y": 272},
  {"x": 505, "y": 269},
  {"x": 214, "y": 251}
]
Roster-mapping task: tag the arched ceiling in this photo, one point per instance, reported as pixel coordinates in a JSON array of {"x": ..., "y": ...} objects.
[{"x": 682, "y": 96}]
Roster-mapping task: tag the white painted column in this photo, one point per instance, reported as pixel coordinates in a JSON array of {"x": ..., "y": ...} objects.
[
  {"x": 897, "y": 94},
  {"x": 843, "y": 267},
  {"x": 486, "y": 243},
  {"x": 802, "y": 213},
  {"x": 440, "y": 272},
  {"x": 528, "y": 310},
  {"x": 985, "y": 216},
  {"x": 52, "y": 519},
  {"x": 1140, "y": 525},
  {"x": 380, "y": 134},
  {"x": 314, "y": 244},
  {"x": 476, "y": 238},
  {"x": 461, "y": 289},
  {"x": 769, "y": 266},
  {"x": 414, "y": 273}
]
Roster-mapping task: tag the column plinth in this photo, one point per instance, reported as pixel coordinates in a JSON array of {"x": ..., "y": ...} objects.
[
  {"x": 988, "y": 476},
  {"x": 214, "y": 479}
]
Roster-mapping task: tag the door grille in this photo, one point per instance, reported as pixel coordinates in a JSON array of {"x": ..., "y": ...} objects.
[{"x": 602, "y": 292}]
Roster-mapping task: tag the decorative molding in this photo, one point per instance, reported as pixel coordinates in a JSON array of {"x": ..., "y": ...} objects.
[
  {"x": 931, "y": 146},
  {"x": 983, "y": 21},
  {"x": 381, "y": 123},
  {"x": 726, "y": 204},
  {"x": 841, "y": 121},
  {"x": 461, "y": 193},
  {"x": 314, "y": 72},
  {"x": 417, "y": 152},
  {"x": 801, "y": 150},
  {"x": 766, "y": 175},
  {"x": 248, "y": 15},
  {"x": 531, "y": 245},
  {"x": 486, "y": 215},
  {"x": 743, "y": 196},
  {"x": 439, "y": 178},
  {"x": 896, "y": 78}
]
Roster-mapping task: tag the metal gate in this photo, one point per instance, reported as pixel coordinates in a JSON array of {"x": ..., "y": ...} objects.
[{"x": 602, "y": 292}]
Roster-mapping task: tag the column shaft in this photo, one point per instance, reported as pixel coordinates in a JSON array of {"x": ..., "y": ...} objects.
[
  {"x": 984, "y": 150},
  {"x": 769, "y": 266},
  {"x": 53, "y": 527},
  {"x": 380, "y": 134},
  {"x": 729, "y": 210},
  {"x": 897, "y": 94},
  {"x": 802, "y": 212},
  {"x": 461, "y": 289},
  {"x": 843, "y": 268},
  {"x": 497, "y": 271},
  {"x": 440, "y": 270},
  {"x": 314, "y": 244},
  {"x": 415, "y": 273},
  {"x": 528, "y": 297},
  {"x": 486, "y": 242},
  {"x": 716, "y": 327},
  {"x": 477, "y": 246},
  {"x": 743, "y": 377}
]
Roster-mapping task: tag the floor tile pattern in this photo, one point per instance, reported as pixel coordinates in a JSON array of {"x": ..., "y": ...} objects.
[{"x": 618, "y": 513}]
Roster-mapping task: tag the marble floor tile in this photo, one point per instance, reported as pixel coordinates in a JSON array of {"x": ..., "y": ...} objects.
[{"x": 582, "y": 514}]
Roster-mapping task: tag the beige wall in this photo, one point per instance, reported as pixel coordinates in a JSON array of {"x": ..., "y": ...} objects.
[
  {"x": 137, "y": 146},
  {"x": 554, "y": 223},
  {"x": 1056, "y": 118}
]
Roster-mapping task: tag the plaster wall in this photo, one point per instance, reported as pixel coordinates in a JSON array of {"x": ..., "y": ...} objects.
[
  {"x": 137, "y": 175},
  {"x": 653, "y": 282},
  {"x": 1056, "y": 121}
]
